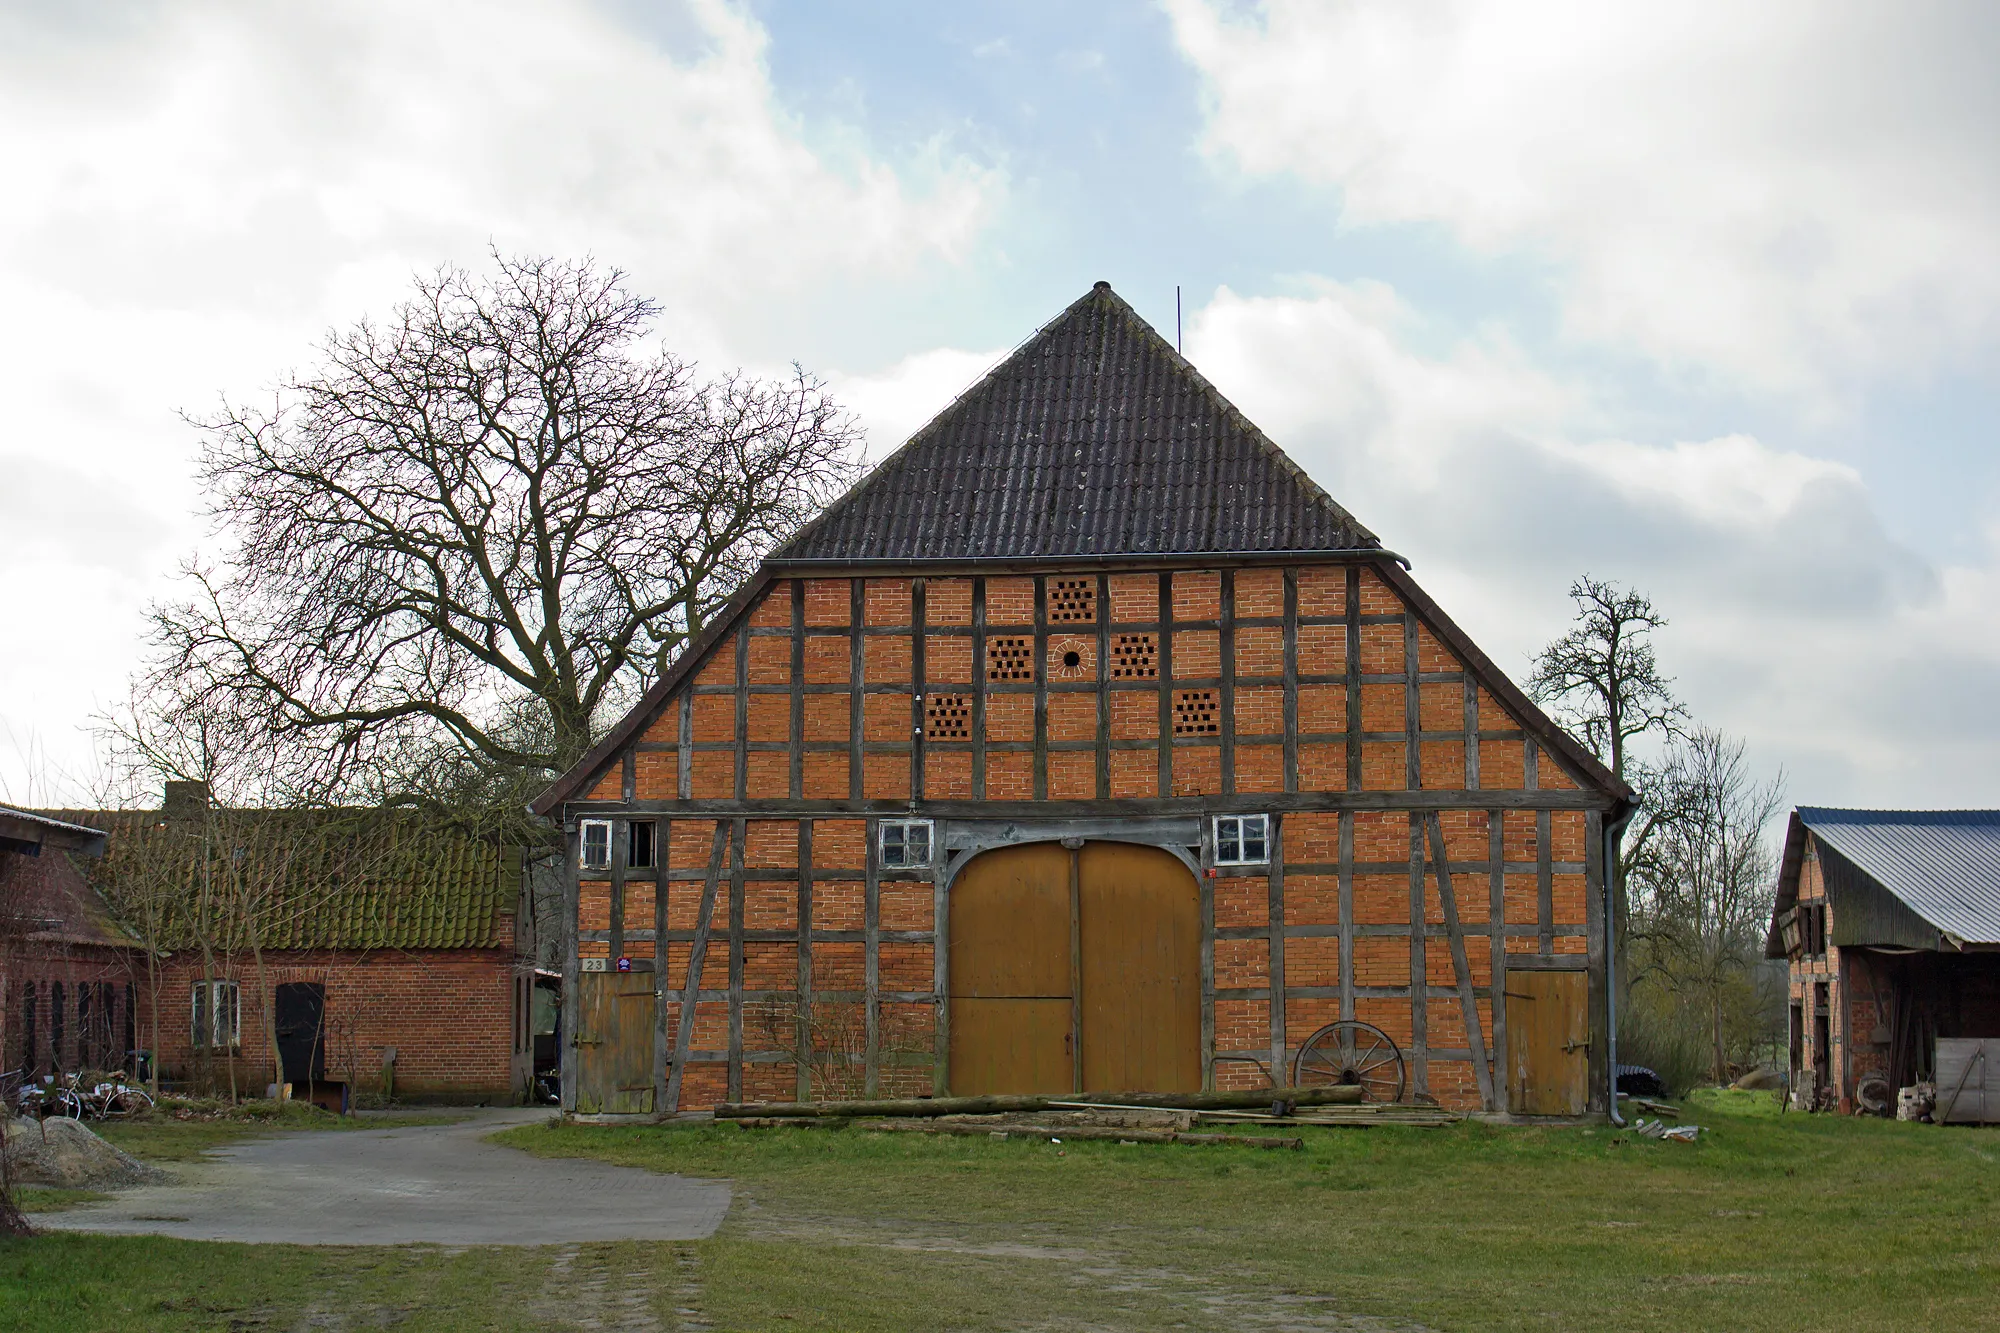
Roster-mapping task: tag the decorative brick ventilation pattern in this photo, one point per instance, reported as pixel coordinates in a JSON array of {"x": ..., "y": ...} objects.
[
  {"x": 1010, "y": 659},
  {"x": 1073, "y": 599},
  {"x": 1134, "y": 657},
  {"x": 947, "y": 717},
  {"x": 1071, "y": 658},
  {"x": 1194, "y": 713}
]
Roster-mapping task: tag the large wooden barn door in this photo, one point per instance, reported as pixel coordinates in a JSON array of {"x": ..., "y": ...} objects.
[
  {"x": 1047, "y": 944},
  {"x": 1012, "y": 991},
  {"x": 1140, "y": 919},
  {"x": 1548, "y": 1042},
  {"x": 614, "y": 1043}
]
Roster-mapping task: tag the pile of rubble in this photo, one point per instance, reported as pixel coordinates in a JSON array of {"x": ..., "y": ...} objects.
[{"x": 61, "y": 1153}]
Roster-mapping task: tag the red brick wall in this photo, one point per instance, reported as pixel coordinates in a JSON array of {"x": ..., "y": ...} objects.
[{"x": 449, "y": 1014}]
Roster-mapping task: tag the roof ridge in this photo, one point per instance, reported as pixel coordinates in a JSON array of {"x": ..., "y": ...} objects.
[
  {"x": 1096, "y": 407},
  {"x": 1236, "y": 415},
  {"x": 1809, "y": 812},
  {"x": 930, "y": 427}
]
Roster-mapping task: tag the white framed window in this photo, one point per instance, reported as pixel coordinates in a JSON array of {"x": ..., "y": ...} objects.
[
  {"x": 594, "y": 844},
  {"x": 905, "y": 843},
  {"x": 215, "y": 1015},
  {"x": 641, "y": 844},
  {"x": 1242, "y": 840}
]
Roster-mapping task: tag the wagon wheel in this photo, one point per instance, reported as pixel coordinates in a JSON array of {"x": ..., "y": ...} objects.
[{"x": 1351, "y": 1053}]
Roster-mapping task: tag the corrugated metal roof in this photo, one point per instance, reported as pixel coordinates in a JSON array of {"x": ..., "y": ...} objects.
[
  {"x": 27, "y": 826},
  {"x": 1945, "y": 864},
  {"x": 1095, "y": 438}
]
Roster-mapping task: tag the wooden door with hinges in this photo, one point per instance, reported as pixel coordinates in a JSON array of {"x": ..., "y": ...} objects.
[
  {"x": 1139, "y": 918},
  {"x": 1012, "y": 993},
  {"x": 614, "y": 1043},
  {"x": 1548, "y": 1042},
  {"x": 1074, "y": 970}
]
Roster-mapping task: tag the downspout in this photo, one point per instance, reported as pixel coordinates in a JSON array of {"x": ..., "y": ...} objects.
[{"x": 1614, "y": 832}]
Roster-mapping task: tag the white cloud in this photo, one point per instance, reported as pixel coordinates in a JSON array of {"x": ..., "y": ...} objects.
[
  {"x": 1797, "y": 621},
  {"x": 893, "y": 404},
  {"x": 195, "y": 191},
  {"x": 1792, "y": 194}
]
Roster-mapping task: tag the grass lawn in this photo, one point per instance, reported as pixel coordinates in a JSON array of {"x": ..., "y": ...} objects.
[{"x": 1768, "y": 1223}]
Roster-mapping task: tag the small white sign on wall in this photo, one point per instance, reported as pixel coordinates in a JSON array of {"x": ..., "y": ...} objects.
[{"x": 595, "y": 964}]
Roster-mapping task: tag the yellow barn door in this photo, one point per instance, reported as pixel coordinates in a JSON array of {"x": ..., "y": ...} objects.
[
  {"x": 1548, "y": 1042},
  {"x": 1074, "y": 971},
  {"x": 1011, "y": 993},
  {"x": 1140, "y": 924}
]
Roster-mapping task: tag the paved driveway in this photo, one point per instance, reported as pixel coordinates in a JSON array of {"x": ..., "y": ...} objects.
[{"x": 436, "y": 1184}]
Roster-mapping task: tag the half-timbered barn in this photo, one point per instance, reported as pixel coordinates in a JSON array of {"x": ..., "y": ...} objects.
[{"x": 1085, "y": 744}]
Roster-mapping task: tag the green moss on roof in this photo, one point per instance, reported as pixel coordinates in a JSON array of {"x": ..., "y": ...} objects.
[{"x": 321, "y": 879}]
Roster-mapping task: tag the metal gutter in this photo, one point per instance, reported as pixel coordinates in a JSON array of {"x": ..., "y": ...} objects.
[{"x": 1614, "y": 834}]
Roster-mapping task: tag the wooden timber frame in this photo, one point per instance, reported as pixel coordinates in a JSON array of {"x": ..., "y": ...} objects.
[{"x": 1405, "y": 778}]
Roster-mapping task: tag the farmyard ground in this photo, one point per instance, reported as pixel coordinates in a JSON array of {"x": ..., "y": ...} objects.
[{"x": 1770, "y": 1223}]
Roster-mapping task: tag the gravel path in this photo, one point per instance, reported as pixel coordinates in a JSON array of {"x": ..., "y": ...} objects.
[{"x": 427, "y": 1184}]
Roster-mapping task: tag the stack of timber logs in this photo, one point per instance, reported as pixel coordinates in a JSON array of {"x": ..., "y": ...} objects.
[
  {"x": 1006, "y": 1104},
  {"x": 1339, "y": 1105}
]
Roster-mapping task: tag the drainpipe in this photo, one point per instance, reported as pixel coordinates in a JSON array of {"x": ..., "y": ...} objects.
[{"x": 1613, "y": 834}]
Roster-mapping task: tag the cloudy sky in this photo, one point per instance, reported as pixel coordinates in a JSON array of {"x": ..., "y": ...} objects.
[{"x": 1703, "y": 297}]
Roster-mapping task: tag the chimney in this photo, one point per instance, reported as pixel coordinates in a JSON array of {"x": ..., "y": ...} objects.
[{"x": 185, "y": 801}]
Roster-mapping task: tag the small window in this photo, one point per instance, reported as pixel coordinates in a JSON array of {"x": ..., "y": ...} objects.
[
  {"x": 906, "y": 843},
  {"x": 595, "y": 846},
  {"x": 215, "y": 1014},
  {"x": 639, "y": 853},
  {"x": 1242, "y": 840}
]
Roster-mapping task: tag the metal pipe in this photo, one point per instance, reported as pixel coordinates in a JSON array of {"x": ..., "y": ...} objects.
[{"x": 1613, "y": 834}]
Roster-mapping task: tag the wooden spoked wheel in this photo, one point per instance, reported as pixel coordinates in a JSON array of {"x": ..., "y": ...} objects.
[{"x": 1351, "y": 1053}]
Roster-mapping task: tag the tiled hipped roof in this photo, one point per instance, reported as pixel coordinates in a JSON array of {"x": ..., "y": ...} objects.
[
  {"x": 1095, "y": 438},
  {"x": 337, "y": 879}
]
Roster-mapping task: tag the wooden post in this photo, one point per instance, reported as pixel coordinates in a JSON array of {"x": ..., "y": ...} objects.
[
  {"x": 663, "y": 842},
  {"x": 738, "y": 834},
  {"x": 1462, "y": 967},
  {"x": 796, "y": 779},
  {"x": 1041, "y": 679},
  {"x": 697, "y": 955},
  {"x": 871, "y": 964},
  {"x": 803, "y": 1016},
  {"x": 979, "y": 687},
  {"x": 1275, "y": 951}
]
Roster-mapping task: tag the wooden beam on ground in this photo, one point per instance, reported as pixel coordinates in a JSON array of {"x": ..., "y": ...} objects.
[{"x": 1000, "y": 1103}]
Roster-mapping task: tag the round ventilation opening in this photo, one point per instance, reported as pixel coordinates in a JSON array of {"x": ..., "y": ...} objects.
[{"x": 1072, "y": 658}]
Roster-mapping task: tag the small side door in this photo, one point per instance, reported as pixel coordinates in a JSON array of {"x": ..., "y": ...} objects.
[
  {"x": 299, "y": 1008},
  {"x": 614, "y": 1043},
  {"x": 1548, "y": 1042}
]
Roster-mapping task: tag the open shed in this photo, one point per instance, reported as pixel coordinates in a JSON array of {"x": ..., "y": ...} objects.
[{"x": 1891, "y": 922}]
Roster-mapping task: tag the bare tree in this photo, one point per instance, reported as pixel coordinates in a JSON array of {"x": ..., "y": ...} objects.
[
  {"x": 1604, "y": 684},
  {"x": 1703, "y": 895},
  {"x": 478, "y": 526}
]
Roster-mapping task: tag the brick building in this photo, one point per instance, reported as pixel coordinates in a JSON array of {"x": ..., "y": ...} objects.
[
  {"x": 1890, "y": 920},
  {"x": 66, "y": 965},
  {"x": 1084, "y": 744},
  {"x": 379, "y": 948}
]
